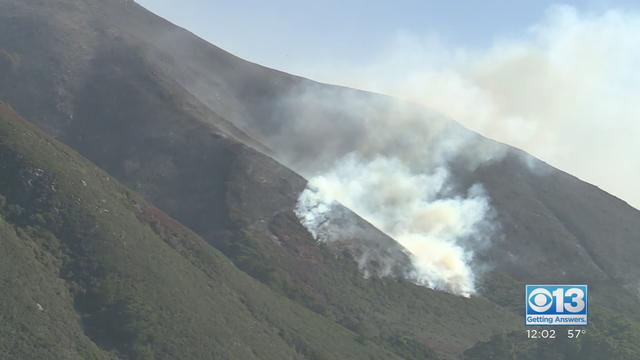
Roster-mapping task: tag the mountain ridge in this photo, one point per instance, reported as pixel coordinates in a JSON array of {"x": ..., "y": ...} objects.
[{"x": 99, "y": 80}]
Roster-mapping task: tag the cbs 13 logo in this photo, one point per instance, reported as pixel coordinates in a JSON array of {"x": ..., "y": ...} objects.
[{"x": 556, "y": 299}]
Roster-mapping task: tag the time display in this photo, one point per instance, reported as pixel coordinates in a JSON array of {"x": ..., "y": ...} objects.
[{"x": 541, "y": 334}]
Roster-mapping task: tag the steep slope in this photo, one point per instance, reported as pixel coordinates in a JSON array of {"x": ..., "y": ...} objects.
[
  {"x": 91, "y": 271},
  {"x": 554, "y": 227},
  {"x": 559, "y": 229},
  {"x": 267, "y": 105},
  {"x": 560, "y": 222},
  {"x": 132, "y": 120},
  {"x": 187, "y": 125}
]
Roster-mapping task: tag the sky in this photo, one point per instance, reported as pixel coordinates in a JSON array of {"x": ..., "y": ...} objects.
[
  {"x": 558, "y": 80},
  {"x": 290, "y": 34}
]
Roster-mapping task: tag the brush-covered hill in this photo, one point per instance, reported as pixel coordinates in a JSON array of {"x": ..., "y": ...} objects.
[
  {"x": 103, "y": 94},
  {"x": 202, "y": 135},
  {"x": 91, "y": 271}
]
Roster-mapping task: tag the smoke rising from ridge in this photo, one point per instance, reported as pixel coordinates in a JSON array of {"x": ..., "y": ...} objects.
[
  {"x": 395, "y": 158},
  {"x": 547, "y": 92},
  {"x": 565, "y": 91},
  {"x": 413, "y": 208},
  {"x": 390, "y": 162}
]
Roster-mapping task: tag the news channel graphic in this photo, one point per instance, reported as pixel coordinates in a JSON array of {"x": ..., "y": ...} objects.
[{"x": 556, "y": 305}]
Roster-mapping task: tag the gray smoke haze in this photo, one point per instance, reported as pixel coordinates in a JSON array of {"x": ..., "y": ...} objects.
[
  {"x": 321, "y": 125},
  {"x": 390, "y": 162},
  {"x": 565, "y": 91}
]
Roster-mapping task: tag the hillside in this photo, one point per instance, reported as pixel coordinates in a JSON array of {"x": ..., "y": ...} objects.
[
  {"x": 92, "y": 271},
  {"x": 150, "y": 134},
  {"x": 202, "y": 136},
  {"x": 133, "y": 93}
]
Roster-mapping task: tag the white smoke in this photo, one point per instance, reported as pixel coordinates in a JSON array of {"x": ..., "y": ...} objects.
[
  {"x": 392, "y": 164},
  {"x": 565, "y": 91},
  {"x": 415, "y": 208}
]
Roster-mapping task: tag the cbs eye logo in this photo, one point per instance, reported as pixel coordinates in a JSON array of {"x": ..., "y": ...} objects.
[
  {"x": 556, "y": 305},
  {"x": 540, "y": 300}
]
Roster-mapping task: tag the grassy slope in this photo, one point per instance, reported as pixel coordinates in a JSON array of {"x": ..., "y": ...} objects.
[
  {"x": 117, "y": 277},
  {"x": 609, "y": 336}
]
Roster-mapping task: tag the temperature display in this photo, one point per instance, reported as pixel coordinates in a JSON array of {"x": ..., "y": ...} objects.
[{"x": 574, "y": 334}]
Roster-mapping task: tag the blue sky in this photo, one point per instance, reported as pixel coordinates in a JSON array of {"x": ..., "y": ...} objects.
[{"x": 287, "y": 34}]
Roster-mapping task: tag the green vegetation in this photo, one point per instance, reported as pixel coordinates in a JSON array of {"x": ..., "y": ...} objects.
[
  {"x": 90, "y": 271},
  {"x": 608, "y": 336}
]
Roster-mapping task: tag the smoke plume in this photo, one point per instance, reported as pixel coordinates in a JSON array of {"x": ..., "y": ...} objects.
[
  {"x": 437, "y": 229},
  {"x": 390, "y": 162},
  {"x": 564, "y": 91}
]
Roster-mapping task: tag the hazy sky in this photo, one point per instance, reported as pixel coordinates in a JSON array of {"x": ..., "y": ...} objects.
[
  {"x": 559, "y": 80},
  {"x": 289, "y": 34}
]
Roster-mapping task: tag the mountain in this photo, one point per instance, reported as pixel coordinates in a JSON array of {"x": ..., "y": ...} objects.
[
  {"x": 202, "y": 136},
  {"x": 90, "y": 270}
]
